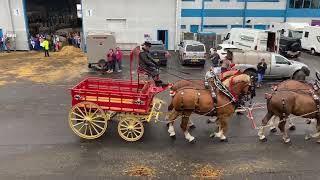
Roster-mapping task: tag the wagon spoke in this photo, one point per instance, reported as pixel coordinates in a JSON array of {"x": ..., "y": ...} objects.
[
  {"x": 89, "y": 113},
  {"x": 135, "y": 134},
  {"x": 94, "y": 113},
  {"x": 121, "y": 129},
  {"x": 78, "y": 124},
  {"x": 90, "y": 130},
  {"x": 122, "y": 125},
  {"x": 80, "y": 111},
  {"x": 77, "y": 114},
  {"x": 126, "y": 123},
  {"x": 95, "y": 129},
  {"x": 97, "y": 125},
  {"x": 85, "y": 110},
  {"x": 136, "y": 124},
  {"x": 75, "y": 119},
  {"x": 81, "y": 127},
  {"x": 85, "y": 130},
  {"x": 99, "y": 121},
  {"x": 137, "y": 131}
]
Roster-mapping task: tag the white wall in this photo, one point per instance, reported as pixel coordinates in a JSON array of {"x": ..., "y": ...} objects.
[
  {"x": 142, "y": 17},
  {"x": 18, "y": 22}
]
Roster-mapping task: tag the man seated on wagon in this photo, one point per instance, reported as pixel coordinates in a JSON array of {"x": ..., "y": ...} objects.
[{"x": 147, "y": 63}]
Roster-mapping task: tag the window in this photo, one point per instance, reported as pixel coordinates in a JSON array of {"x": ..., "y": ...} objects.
[
  {"x": 306, "y": 3},
  {"x": 295, "y": 34},
  {"x": 183, "y": 27},
  {"x": 219, "y": 48},
  {"x": 215, "y": 26},
  {"x": 281, "y": 60},
  {"x": 195, "y": 48},
  {"x": 297, "y": 4},
  {"x": 315, "y": 4},
  {"x": 306, "y": 34}
]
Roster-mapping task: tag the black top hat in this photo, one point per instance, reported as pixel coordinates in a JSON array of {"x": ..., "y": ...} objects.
[{"x": 147, "y": 43}]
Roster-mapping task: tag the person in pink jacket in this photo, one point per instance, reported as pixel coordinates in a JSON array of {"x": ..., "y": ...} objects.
[{"x": 119, "y": 56}]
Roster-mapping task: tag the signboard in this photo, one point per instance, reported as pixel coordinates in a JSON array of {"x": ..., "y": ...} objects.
[
  {"x": 89, "y": 12},
  {"x": 16, "y": 12}
]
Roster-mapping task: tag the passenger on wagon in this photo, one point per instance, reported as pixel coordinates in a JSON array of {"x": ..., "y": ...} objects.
[{"x": 147, "y": 63}]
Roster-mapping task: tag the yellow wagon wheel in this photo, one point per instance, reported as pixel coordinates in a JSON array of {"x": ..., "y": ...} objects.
[
  {"x": 130, "y": 129},
  {"x": 88, "y": 120}
]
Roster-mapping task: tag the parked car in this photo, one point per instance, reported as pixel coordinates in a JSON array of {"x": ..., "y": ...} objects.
[
  {"x": 311, "y": 39},
  {"x": 159, "y": 53},
  {"x": 290, "y": 47},
  {"x": 223, "y": 48},
  {"x": 192, "y": 52},
  {"x": 278, "y": 66}
]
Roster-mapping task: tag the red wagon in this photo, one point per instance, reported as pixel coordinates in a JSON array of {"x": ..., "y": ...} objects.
[{"x": 97, "y": 100}]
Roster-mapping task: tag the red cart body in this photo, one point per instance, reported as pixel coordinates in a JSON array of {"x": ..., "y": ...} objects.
[{"x": 116, "y": 95}]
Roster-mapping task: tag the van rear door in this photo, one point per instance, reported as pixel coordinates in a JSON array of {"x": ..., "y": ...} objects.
[{"x": 195, "y": 51}]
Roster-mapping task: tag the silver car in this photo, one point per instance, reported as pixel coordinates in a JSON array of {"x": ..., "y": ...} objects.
[
  {"x": 277, "y": 65},
  {"x": 192, "y": 52}
]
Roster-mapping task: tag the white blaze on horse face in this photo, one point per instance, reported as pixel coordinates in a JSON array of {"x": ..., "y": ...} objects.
[
  {"x": 171, "y": 130},
  {"x": 188, "y": 136}
]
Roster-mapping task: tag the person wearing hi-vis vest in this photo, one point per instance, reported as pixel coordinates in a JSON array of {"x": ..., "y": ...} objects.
[{"x": 45, "y": 45}]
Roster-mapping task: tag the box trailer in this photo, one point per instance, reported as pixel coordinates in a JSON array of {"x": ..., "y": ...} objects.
[{"x": 98, "y": 44}]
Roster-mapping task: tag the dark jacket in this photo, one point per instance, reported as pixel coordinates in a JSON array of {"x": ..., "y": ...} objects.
[
  {"x": 215, "y": 60},
  {"x": 262, "y": 67},
  {"x": 146, "y": 61}
]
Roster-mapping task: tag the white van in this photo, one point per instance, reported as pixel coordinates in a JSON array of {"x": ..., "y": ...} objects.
[
  {"x": 311, "y": 39},
  {"x": 252, "y": 39},
  {"x": 289, "y": 29}
]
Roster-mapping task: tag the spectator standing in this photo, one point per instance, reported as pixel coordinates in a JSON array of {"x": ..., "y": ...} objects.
[
  {"x": 215, "y": 58},
  {"x": 119, "y": 56},
  {"x": 262, "y": 66},
  {"x": 110, "y": 61},
  {"x": 45, "y": 45},
  {"x": 7, "y": 43},
  {"x": 32, "y": 43},
  {"x": 1, "y": 44}
]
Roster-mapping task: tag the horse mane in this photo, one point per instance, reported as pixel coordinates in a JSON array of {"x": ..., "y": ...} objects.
[{"x": 236, "y": 79}]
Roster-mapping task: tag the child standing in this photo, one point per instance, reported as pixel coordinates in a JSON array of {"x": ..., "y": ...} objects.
[
  {"x": 119, "y": 55},
  {"x": 110, "y": 61}
]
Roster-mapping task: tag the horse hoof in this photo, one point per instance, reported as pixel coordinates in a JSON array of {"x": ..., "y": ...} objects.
[
  {"x": 193, "y": 141},
  {"x": 224, "y": 140},
  {"x": 212, "y": 135},
  {"x": 263, "y": 140},
  {"x": 273, "y": 130},
  {"x": 209, "y": 121},
  {"x": 192, "y": 126},
  {"x": 173, "y": 137},
  {"x": 318, "y": 142},
  {"x": 307, "y": 138},
  {"x": 239, "y": 113},
  {"x": 287, "y": 141},
  {"x": 292, "y": 128}
]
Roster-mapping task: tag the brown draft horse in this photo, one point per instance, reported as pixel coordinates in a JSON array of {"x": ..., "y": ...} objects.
[
  {"x": 293, "y": 98},
  {"x": 293, "y": 85},
  {"x": 189, "y": 100}
]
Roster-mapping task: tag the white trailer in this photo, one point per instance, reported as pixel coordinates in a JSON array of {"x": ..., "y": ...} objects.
[
  {"x": 252, "y": 39},
  {"x": 289, "y": 29},
  {"x": 311, "y": 39}
]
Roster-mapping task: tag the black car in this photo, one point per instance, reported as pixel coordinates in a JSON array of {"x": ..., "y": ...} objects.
[
  {"x": 159, "y": 53},
  {"x": 290, "y": 47}
]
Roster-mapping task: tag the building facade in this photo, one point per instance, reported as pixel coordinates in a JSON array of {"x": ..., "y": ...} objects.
[
  {"x": 220, "y": 15},
  {"x": 133, "y": 21}
]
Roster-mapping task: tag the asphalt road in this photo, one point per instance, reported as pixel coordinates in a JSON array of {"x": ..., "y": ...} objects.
[{"x": 37, "y": 143}]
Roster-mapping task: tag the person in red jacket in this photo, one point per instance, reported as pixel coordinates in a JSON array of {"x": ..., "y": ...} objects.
[{"x": 119, "y": 55}]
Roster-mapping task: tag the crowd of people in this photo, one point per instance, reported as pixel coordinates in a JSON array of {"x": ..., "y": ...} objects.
[
  {"x": 5, "y": 44},
  {"x": 53, "y": 42},
  {"x": 114, "y": 60}
]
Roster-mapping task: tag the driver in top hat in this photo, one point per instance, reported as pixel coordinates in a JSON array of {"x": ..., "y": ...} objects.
[{"x": 147, "y": 63}]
